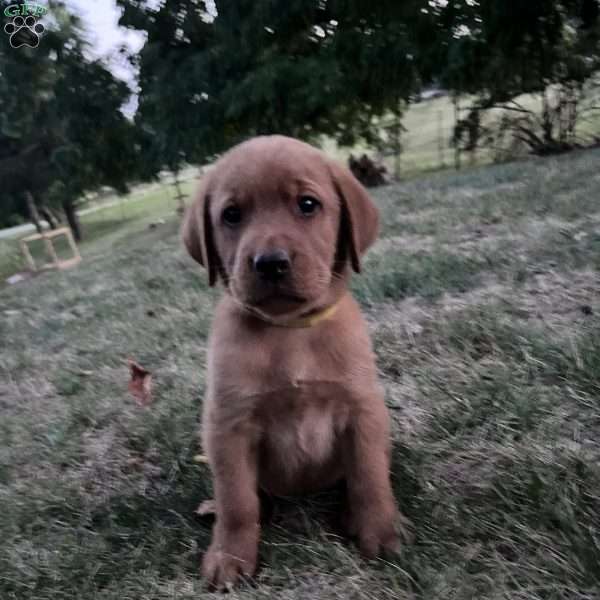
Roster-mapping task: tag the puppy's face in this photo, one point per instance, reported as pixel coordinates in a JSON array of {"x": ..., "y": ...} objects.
[
  {"x": 275, "y": 223},
  {"x": 279, "y": 223}
]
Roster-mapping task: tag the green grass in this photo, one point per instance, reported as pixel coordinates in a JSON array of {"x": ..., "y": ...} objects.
[{"x": 483, "y": 296}]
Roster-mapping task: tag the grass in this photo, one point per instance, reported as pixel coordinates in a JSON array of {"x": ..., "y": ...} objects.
[{"x": 483, "y": 297}]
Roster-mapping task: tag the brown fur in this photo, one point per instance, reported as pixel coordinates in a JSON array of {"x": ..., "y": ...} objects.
[{"x": 288, "y": 410}]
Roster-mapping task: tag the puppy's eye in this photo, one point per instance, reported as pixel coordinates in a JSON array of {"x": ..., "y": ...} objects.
[
  {"x": 308, "y": 205},
  {"x": 232, "y": 215}
]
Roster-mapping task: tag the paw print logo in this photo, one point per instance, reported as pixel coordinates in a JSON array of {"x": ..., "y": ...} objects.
[{"x": 24, "y": 32}]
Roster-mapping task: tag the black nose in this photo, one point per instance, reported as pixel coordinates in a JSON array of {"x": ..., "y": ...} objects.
[{"x": 272, "y": 266}]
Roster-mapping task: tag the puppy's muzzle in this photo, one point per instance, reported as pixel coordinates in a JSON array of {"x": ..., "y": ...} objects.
[{"x": 272, "y": 266}]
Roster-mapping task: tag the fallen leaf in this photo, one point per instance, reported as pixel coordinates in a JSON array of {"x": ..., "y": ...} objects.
[
  {"x": 140, "y": 383},
  {"x": 135, "y": 462},
  {"x": 208, "y": 507}
]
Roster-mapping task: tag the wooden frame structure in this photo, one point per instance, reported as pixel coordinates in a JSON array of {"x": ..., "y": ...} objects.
[{"x": 48, "y": 236}]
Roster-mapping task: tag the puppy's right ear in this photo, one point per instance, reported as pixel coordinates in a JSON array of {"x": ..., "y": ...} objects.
[{"x": 197, "y": 233}]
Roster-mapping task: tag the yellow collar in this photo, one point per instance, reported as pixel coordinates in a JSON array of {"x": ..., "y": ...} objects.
[
  {"x": 308, "y": 321},
  {"x": 314, "y": 319}
]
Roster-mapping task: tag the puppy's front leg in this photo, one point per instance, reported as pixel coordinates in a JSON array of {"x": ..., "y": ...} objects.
[
  {"x": 234, "y": 547},
  {"x": 372, "y": 512}
]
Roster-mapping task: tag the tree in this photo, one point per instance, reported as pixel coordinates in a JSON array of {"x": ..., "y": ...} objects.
[
  {"x": 304, "y": 68},
  {"x": 499, "y": 51},
  {"x": 72, "y": 137},
  {"x": 176, "y": 119}
]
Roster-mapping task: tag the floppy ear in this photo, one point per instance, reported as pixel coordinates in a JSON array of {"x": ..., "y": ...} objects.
[
  {"x": 359, "y": 217},
  {"x": 197, "y": 233}
]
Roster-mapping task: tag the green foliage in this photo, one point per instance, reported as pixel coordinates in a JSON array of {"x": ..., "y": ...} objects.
[
  {"x": 303, "y": 68},
  {"x": 504, "y": 49},
  {"x": 61, "y": 128},
  {"x": 499, "y": 51},
  {"x": 309, "y": 68}
]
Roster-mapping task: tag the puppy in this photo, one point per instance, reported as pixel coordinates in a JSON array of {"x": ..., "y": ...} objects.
[{"x": 293, "y": 403}]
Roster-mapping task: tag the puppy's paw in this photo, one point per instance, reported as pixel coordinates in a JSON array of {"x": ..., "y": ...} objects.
[
  {"x": 223, "y": 569},
  {"x": 382, "y": 534},
  {"x": 379, "y": 543}
]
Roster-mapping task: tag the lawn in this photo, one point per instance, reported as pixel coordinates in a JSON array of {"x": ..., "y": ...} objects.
[{"x": 483, "y": 296}]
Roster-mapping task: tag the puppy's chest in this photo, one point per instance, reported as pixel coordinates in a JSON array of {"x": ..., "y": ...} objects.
[
  {"x": 301, "y": 366},
  {"x": 260, "y": 369},
  {"x": 302, "y": 424},
  {"x": 303, "y": 406},
  {"x": 299, "y": 371}
]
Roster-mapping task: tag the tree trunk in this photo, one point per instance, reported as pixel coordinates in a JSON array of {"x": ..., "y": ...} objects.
[
  {"x": 547, "y": 120},
  {"x": 573, "y": 112},
  {"x": 57, "y": 217},
  {"x": 180, "y": 194},
  {"x": 397, "y": 132},
  {"x": 49, "y": 216},
  {"x": 456, "y": 103},
  {"x": 34, "y": 215},
  {"x": 72, "y": 219}
]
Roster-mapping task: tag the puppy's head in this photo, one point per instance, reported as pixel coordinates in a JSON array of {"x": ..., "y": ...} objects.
[{"x": 281, "y": 225}]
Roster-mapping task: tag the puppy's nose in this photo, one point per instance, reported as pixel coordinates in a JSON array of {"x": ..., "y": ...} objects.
[{"x": 272, "y": 266}]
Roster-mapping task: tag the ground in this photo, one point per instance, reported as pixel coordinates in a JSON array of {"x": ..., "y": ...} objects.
[{"x": 483, "y": 296}]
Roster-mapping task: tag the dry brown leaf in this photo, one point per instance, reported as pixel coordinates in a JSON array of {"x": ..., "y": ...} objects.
[
  {"x": 207, "y": 507},
  {"x": 140, "y": 383}
]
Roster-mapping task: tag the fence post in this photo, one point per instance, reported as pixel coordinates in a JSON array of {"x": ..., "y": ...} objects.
[
  {"x": 441, "y": 157},
  {"x": 180, "y": 197}
]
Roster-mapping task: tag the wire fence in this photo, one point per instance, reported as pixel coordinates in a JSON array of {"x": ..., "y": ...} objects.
[{"x": 423, "y": 140}]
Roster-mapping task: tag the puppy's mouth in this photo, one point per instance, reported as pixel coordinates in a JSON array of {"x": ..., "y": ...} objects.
[
  {"x": 278, "y": 303},
  {"x": 279, "y": 296}
]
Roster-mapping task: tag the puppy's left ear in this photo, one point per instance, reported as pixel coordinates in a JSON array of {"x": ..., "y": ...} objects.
[
  {"x": 197, "y": 234},
  {"x": 359, "y": 217}
]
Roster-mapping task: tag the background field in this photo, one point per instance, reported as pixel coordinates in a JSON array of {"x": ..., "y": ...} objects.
[
  {"x": 483, "y": 299},
  {"x": 428, "y": 127}
]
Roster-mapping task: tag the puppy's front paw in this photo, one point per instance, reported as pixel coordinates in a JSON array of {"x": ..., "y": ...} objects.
[
  {"x": 376, "y": 543},
  {"x": 223, "y": 569},
  {"x": 382, "y": 534}
]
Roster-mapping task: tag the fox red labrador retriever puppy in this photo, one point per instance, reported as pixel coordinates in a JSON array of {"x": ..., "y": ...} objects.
[{"x": 293, "y": 402}]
